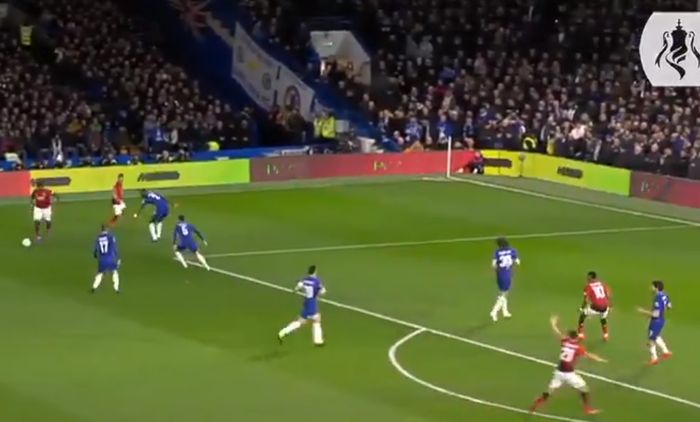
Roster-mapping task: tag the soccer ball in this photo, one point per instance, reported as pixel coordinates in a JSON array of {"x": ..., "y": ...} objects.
[{"x": 26, "y": 242}]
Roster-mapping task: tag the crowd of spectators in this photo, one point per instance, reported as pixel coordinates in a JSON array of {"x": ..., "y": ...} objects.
[
  {"x": 559, "y": 77},
  {"x": 107, "y": 90}
]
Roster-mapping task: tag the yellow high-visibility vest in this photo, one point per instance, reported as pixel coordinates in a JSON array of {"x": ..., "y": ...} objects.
[
  {"x": 25, "y": 35},
  {"x": 328, "y": 128}
]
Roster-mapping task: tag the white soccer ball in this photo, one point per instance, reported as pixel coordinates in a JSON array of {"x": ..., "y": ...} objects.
[{"x": 26, "y": 242}]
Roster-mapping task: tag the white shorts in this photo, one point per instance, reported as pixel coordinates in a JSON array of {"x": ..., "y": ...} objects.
[
  {"x": 589, "y": 311},
  {"x": 119, "y": 208},
  {"x": 42, "y": 214},
  {"x": 572, "y": 379}
]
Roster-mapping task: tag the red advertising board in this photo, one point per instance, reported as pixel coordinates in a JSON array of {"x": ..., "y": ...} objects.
[
  {"x": 15, "y": 183},
  {"x": 350, "y": 165},
  {"x": 684, "y": 192}
]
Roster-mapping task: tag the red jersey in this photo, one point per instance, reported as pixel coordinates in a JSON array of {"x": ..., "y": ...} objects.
[
  {"x": 571, "y": 350},
  {"x": 118, "y": 193},
  {"x": 42, "y": 198},
  {"x": 598, "y": 295}
]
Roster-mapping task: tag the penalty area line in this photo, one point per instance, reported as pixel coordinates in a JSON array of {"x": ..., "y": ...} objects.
[
  {"x": 404, "y": 372},
  {"x": 445, "y": 241},
  {"x": 444, "y": 334}
]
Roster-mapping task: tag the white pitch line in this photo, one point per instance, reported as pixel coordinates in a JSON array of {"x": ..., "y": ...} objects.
[
  {"x": 403, "y": 371},
  {"x": 452, "y": 336},
  {"x": 442, "y": 241},
  {"x": 575, "y": 201}
]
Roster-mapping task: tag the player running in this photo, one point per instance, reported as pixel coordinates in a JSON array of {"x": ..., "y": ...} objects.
[
  {"x": 184, "y": 240},
  {"x": 118, "y": 204},
  {"x": 504, "y": 259},
  {"x": 661, "y": 304},
  {"x": 571, "y": 351},
  {"x": 107, "y": 257},
  {"x": 42, "y": 201},
  {"x": 162, "y": 209},
  {"x": 596, "y": 301},
  {"x": 311, "y": 288}
]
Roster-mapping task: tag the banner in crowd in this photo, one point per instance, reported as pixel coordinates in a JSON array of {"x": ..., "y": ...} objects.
[
  {"x": 153, "y": 176},
  {"x": 267, "y": 81},
  {"x": 684, "y": 192},
  {"x": 576, "y": 173},
  {"x": 15, "y": 183},
  {"x": 350, "y": 165}
]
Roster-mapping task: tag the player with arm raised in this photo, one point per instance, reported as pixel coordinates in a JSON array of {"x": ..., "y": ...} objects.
[
  {"x": 118, "y": 204},
  {"x": 571, "y": 351},
  {"x": 596, "y": 301},
  {"x": 42, "y": 202},
  {"x": 107, "y": 256},
  {"x": 311, "y": 288},
  {"x": 162, "y": 209},
  {"x": 657, "y": 316},
  {"x": 504, "y": 259},
  {"x": 184, "y": 240}
]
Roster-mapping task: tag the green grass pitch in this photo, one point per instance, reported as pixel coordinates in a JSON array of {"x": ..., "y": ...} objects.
[{"x": 407, "y": 266}]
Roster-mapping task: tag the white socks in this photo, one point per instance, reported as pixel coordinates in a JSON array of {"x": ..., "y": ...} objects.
[
  {"x": 98, "y": 281},
  {"x": 500, "y": 305},
  {"x": 317, "y": 333},
  {"x": 202, "y": 260},
  {"x": 156, "y": 230},
  {"x": 662, "y": 345},
  {"x": 181, "y": 258},
  {"x": 289, "y": 329},
  {"x": 652, "y": 350}
]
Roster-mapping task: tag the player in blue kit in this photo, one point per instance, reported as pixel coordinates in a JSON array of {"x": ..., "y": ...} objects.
[
  {"x": 184, "y": 240},
  {"x": 310, "y": 287},
  {"x": 661, "y": 304},
  {"x": 107, "y": 257},
  {"x": 162, "y": 209},
  {"x": 504, "y": 259}
]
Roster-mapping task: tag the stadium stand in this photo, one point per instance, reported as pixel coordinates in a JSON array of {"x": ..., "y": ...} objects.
[
  {"x": 93, "y": 85},
  {"x": 557, "y": 77}
]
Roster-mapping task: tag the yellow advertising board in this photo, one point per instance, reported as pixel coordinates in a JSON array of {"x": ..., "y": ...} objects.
[{"x": 153, "y": 176}]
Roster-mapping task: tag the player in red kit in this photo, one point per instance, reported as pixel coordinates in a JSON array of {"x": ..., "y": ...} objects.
[
  {"x": 596, "y": 301},
  {"x": 42, "y": 200},
  {"x": 118, "y": 204},
  {"x": 571, "y": 351}
]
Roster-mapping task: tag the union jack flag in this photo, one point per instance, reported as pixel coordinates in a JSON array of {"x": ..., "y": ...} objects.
[{"x": 193, "y": 14}]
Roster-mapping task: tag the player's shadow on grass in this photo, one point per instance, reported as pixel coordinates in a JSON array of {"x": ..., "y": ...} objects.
[{"x": 475, "y": 329}]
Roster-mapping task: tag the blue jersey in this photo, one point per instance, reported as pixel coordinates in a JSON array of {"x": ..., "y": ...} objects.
[
  {"x": 310, "y": 287},
  {"x": 184, "y": 237},
  {"x": 658, "y": 314},
  {"x": 503, "y": 261},
  {"x": 161, "y": 205},
  {"x": 106, "y": 252}
]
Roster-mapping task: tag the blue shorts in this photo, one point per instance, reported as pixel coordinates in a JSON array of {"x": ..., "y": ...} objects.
[
  {"x": 192, "y": 247},
  {"x": 107, "y": 266},
  {"x": 309, "y": 310},
  {"x": 160, "y": 215},
  {"x": 504, "y": 283},
  {"x": 655, "y": 328}
]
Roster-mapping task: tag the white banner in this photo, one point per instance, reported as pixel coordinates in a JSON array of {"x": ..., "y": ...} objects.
[
  {"x": 254, "y": 69},
  {"x": 292, "y": 91},
  {"x": 267, "y": 81}
]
